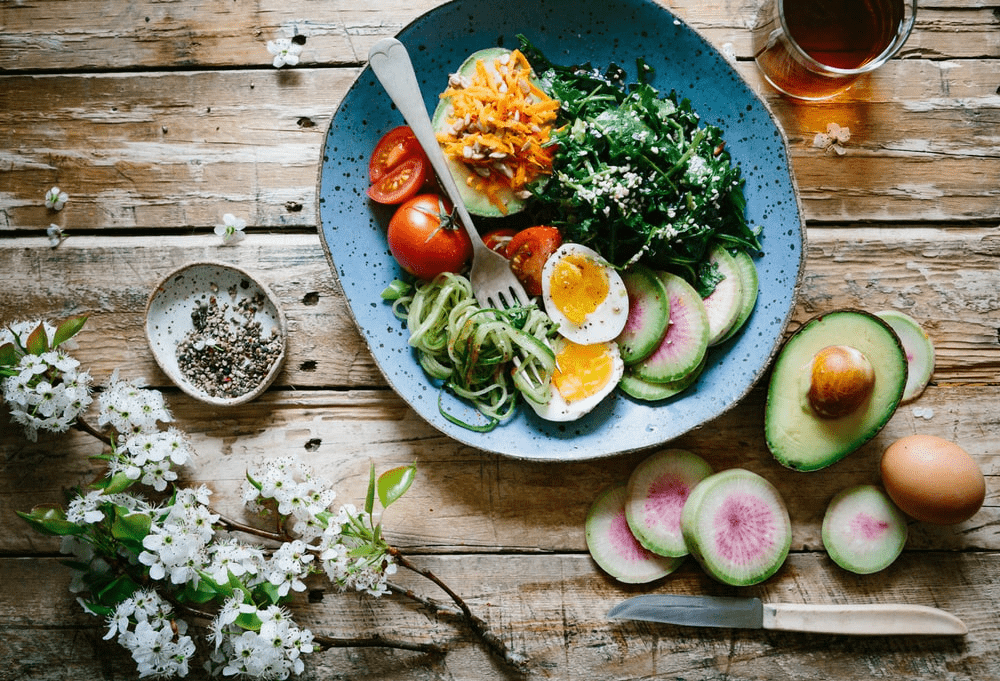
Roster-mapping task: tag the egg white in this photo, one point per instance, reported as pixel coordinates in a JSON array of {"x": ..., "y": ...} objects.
[
  {"x": 556, "y": 408},
  {"x": 605, "y": 322}
]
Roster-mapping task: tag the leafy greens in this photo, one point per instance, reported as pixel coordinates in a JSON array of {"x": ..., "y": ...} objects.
[{"x": 635, "y": 174}]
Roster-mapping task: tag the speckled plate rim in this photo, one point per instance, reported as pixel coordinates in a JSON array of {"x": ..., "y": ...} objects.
[
  {"x": 169, "y": 367},
  {"x": 605, "y": 432}
]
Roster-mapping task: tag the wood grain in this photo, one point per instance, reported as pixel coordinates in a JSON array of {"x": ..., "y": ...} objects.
[
  {"x": 158, "y": 116},
  {"x": 543, "y": 605},
  {"x": 945, "y": 277}
]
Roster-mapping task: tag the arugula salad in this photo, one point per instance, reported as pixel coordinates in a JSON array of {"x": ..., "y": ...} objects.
[{"x": 636, "y": 176}]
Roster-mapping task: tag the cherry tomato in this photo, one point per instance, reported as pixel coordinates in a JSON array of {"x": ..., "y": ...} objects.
[
  {"x": 396, "y": 146},
  {"x": 401, "y": 183},
  {"x": 528, "y": 251},
  {"x": 498, "y": 239},
  {"x": 424, "y": 239}
]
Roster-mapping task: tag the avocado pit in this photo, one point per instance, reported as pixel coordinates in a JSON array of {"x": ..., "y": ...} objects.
[{"x": 842, "y": 380}]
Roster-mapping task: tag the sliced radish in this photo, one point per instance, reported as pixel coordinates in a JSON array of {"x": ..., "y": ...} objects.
[
  {"x": 648, "y": 391},
  {"x": 648, "y": 314},
  {"x": 751, "y": 286},
  {"x": 613, "y": 546},
  {"x": 863, "y": 531},
  {"x": 684, "y": 345},
  {"x": 657, "y": 490},
  {"x": 736, "y": 526},
  {"x": 723, "y": 305},
  {"x": 918, "y": 348}
]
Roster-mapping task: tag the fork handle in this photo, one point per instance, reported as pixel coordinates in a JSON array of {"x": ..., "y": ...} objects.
[{"x": 391, "y": 63}]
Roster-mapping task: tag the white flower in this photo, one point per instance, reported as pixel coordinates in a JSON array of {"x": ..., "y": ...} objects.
[
  {"x": 55, "y": 234},
  {"x": 285, "y": 52},
  {"x": 47, "y": 392},
  {"x": 145, "y": 627},
  {"x": 271, "y": 653},
  {"x": 129, "y": 408},
  {"x": 231, "y": 229},
  {"x": 833, "y": 139},
  {"x": 55, "y": 199}
]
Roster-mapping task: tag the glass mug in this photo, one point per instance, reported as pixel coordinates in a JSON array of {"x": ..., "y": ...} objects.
[{"x": 815, "y": 49}]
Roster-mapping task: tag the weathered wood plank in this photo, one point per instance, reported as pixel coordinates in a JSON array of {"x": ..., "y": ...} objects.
[
  {"x": 174, "y": 151},
  {"x": 108, "y": 35},
  {"x": 546, "y": 605},
  {"x": 947, "y": 278},
  {"x": 465, "y": 499}
]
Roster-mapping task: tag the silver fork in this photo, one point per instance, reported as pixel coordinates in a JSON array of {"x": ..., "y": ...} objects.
[{"x": 493, "y": 282}]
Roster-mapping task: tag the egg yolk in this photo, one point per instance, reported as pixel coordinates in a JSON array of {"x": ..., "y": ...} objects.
[
  {"x": 582, "y": 370},
  {"x": 578, "y": 286}
]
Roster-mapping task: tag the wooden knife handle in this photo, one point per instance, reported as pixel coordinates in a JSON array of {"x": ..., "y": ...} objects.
[{"x": 862, "y": 620}]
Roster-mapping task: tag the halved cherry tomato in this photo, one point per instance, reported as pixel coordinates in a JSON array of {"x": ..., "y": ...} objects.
[
  {"x": 402, "y": 183},
  {"x": 528, "y": 251},
  {"x": 396, "y": 146},
  {"x": 424, "y": 239},
  {"x": 498, "y": 239}
]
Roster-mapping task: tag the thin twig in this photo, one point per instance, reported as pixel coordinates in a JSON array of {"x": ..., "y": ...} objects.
[
  {"x": 236, "y": 526},
  {"x": 82, "y": 425},
  {"x": 478, "y": 626},
  {"x": 376, "y": 641},
  {"x": 435, "y": 607}
]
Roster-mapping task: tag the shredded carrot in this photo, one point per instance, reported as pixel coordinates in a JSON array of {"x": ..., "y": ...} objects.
[{"x": 499, "y": 126}]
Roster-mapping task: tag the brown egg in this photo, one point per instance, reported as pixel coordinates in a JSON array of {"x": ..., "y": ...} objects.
[{"x": 932, "y": 479}]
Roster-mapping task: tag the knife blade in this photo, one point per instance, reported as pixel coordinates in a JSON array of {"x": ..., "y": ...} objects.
[{"x": 751, "y": 613}]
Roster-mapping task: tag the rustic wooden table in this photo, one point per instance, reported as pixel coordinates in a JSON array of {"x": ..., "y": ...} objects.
[{"x": 158, "y": 117}]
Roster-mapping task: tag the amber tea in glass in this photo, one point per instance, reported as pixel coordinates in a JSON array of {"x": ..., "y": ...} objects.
[{"x": 814, "y": 49}]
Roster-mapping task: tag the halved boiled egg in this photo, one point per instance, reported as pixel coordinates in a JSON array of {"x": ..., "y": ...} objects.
[
  {"x": 584, "y": 295},
  {"x": 584, "y": 375}
]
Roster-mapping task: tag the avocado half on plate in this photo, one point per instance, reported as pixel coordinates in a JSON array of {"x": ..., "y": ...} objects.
[
  {"x": 477, "y": 202},
  {"x": 835, "y": 383}
]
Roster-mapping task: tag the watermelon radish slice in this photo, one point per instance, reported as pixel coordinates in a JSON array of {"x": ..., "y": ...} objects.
[
  {"x": 648, "y": 314},
  {"x": 917, "y": 347},
  {"x": 751, "y": 287},
  {"x": 648, "y": 391},
  {"x": 863, "y": 530},
  {"x": 613, "y": 546},
  {"x": 724, "y": 303},
  {"x": 684, "y": 345},
  {"x": 656, "y": 492},
  {"x": 736, "y": 526}
]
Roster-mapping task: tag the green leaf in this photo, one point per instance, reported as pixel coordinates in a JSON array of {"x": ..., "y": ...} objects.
[
  {"x": 51, "y": 520},
  {"x": 393, "y": 483},
  {"x": 38, "y": 340},
  {"x": 370, "y": 498},
  {"x": 267, "y": 592},
  {"x": 206, "y": 590},
  {"x": 97, "y": 609},
  {"x": 130, "y": 527},
  {"x": 117, "y": 590},
  {"x": 68, "y": 329},
  {"x": 119, "y": 482},
  {"x": 248, "y": 621},
  {"x": 8, "y": 355}
]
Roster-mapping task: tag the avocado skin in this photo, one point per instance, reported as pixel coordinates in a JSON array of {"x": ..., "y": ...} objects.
[{"x": 800, "y": 439}]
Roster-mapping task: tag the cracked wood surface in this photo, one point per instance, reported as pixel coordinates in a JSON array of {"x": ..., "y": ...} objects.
[{"x": 159, "y": 115}]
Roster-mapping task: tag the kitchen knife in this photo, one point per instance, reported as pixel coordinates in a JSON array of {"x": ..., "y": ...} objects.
[{"x": 751, "y": 613}]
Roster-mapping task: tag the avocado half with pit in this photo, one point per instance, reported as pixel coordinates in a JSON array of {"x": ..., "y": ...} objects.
[
  {"x": 476, "y": 202},
  {"x": 835, "y": 383}
]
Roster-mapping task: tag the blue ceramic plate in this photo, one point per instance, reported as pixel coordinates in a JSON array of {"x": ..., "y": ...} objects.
[{"x": 568, "y": 32}]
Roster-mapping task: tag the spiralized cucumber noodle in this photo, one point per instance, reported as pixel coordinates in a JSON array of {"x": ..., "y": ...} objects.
[{"x": 484, "y": 355}]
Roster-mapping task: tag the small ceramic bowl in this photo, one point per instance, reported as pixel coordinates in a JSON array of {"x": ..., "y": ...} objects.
[{"x": 216, "y": 332}]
